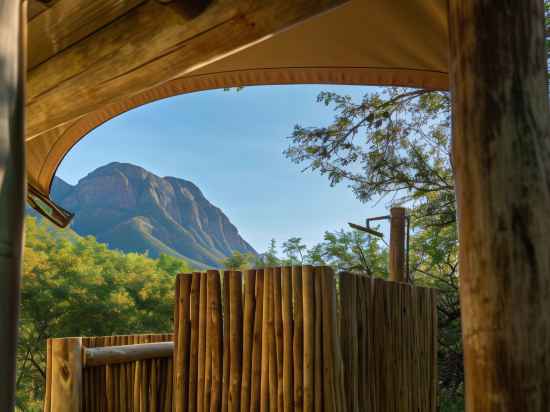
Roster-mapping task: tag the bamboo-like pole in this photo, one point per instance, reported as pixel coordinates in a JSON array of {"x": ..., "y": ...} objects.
[
  {"x": 318, "y": 364},
  {"x": 235, "y": 340},
  {"x": 12, "y": 186},
  {"x": 248, "y": 338},
  {"x": 278, "y": 329},
  {"x": 501, "y": 160},
  {"x": 226, "y": 348},
  {"x": 181, "y": 342},
  {"x": 297, "y": 342},
  {"x": 329, "y": 384},
  {"x": 214, "y": 337},
  {"x": 266, "y": 341},
  {"x": 348, "y": 293},
  {"x": 257, "y": 354},
  {"x": 286, "y": 292},
  {"x": 308, "y": 300},
  {"x": 194, "y": 350},
  {"x": 202, "y": 346}
]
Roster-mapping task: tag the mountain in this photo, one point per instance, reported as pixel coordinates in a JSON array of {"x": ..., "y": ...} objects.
[{"x": 134, "y": 210}]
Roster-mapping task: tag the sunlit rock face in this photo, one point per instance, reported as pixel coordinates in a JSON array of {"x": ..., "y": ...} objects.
[{"x": 133, "y": 210}]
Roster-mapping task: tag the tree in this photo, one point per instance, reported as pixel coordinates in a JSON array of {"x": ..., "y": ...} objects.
[
  {"x": 238, "y": 261},
  {"x": 395, "y": 144},
  {"x": 75, "y": 286},
  {"x": 294, "y": 249}
]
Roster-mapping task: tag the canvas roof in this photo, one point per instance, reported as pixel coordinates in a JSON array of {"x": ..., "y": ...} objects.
[{"x": 363, "y": 42}]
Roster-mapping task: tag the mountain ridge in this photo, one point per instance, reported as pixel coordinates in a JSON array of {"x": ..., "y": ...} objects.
[{"x": 134, "y": 210}]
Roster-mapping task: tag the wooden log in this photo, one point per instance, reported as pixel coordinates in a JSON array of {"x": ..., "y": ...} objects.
[
  {"x": 214, "y": 338},
  {"x": 202, "y": 345},
  {"x": 235, "y": 340},
  {"x": 12, "y": 187},
  {"x": 210, "y": 296},
  {"x": 248, "y": 338},
  {"x": 308, "y": 300},
  {"x": 286, "y": 292},
  {"x": 278, "y": 329},
  {"x": 318, "y": 366},
  {"x": 297, "y": 340},
  {"x": 116, "y": 61},
  {"x": 397, "y": 267},
  {"x": 501, "y": 159},
  {"x": 348, "y": 291},
  {"x": 329, "y": 362},
  {"x": 110, "y": 355},
  {"x": 181, "y": 342},
  {"x": 267, "y": 341},
  {"x": 66, "y": 387},
  {"x": 226, "y": 348},
  {"x": 258, "y": 343},
  {"x": 194, "y": 351},
  {"x": 48, "y": 388}
]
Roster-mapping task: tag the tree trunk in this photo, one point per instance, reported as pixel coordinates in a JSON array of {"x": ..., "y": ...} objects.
[
  {"x": 12, "y": 187},
  {"x": 501, "y": 154}
]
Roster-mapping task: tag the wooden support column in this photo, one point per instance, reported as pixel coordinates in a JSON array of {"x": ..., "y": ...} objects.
[
  {"x": 66, "y": 384},
  {"x": 501, "y": 156},
  {"x": 397, "y": 264},
  {"x": 12, "y": 186}
]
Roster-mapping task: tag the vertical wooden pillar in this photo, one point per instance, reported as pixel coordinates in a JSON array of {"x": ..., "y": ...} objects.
[
  {"x": 12, "y": 186},
  {"x": 397, "y": 244},
  {"x": 66, "y": 385},
  {"x": 501, "y": 156}
]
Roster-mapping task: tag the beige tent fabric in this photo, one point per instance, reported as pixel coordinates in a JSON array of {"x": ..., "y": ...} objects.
[{"x": 366, "y": 42}]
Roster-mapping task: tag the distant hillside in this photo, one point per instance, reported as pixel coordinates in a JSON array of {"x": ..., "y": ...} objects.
[{"x": 133, "y": 210}]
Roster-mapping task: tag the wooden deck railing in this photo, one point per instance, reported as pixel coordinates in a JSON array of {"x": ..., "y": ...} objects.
[{"x": 109, "y": 373}]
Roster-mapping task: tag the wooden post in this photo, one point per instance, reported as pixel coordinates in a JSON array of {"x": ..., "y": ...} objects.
[
  {"x": 66, "y": 385},
  {"x": 12, "y": 186},
  {"x": 397, "y": 244},
  {"x": 501, "y": 157}
]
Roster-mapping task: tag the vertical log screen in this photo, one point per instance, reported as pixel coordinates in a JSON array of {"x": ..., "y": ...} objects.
[
  {"x": 365, "y": 345},
  {"x": 296, "y": 341},
  {"x": 12, "y": 186},
  {"x": 397, "y": 261},
  {"x": 501, "y": 158}
]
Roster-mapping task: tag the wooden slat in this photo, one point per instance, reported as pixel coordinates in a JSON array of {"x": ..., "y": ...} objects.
[
  {"x": 182, "y": 340},
  {"x": 194, "y": 350},
  {"x": 309, "y": 336},
  {"x": 257, "y": 358},
  {"x": 297, "y": 342},
  {"x": 235, "y": 341},
  {"x": 286, "y": 292},
  {"x": 202, "y": 345},
  {"x": 215, "y": 339},
  {"x": 248, "y": 338}
]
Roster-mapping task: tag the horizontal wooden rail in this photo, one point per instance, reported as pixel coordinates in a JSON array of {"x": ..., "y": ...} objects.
[{"x": 128, "y": 353}]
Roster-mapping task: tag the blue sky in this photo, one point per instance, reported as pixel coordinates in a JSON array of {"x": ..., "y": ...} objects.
[{"x": 230, "y": 145}]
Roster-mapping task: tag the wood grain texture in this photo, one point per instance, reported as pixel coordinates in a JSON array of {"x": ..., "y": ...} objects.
[
  {"x": 397, "y": 267},
  {"x": 12, "y": 187},
  {"x": 501, "y": 159},
  {"x": 145, "y": 47},
  {"x": 66, "y": 387}
]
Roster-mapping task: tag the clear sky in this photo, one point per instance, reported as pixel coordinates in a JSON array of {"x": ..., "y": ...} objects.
[{"x": 230, "y": 145}]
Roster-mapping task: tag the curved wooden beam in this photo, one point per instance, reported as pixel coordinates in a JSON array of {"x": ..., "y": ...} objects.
[{"x": 145, "y": 47}]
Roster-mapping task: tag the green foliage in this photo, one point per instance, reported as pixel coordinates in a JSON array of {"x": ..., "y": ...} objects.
[
  {"x": 238, "y": 261},
  {"x": 75, "y": 286},
  {"x": 396, "y": 143}
]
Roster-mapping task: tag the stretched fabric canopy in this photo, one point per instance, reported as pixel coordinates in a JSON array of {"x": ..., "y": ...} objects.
[{"x": 363, "y": 42}]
